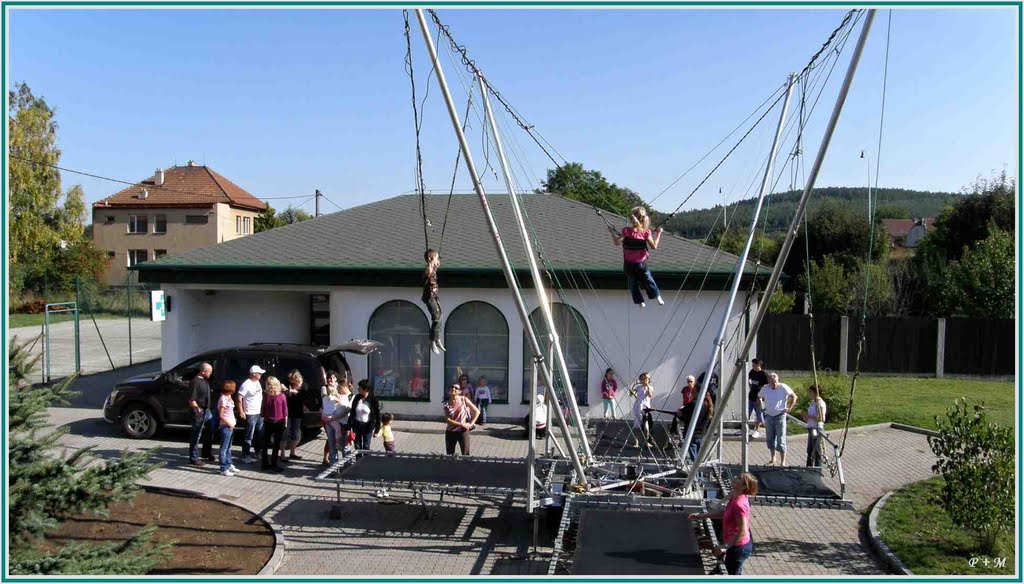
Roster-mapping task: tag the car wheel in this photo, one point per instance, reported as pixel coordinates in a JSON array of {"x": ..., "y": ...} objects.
[{"x": 138, "y": 421}]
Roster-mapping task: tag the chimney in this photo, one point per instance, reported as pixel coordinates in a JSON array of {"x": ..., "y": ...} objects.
[
  {"x": 191, "y": 162},
  {"x": 159, "y": 181}
]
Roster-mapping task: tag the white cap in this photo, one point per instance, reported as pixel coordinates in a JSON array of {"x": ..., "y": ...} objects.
[{"x": 257, "y": 369}]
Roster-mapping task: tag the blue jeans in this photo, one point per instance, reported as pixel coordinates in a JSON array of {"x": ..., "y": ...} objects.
[
  {"x": 483, "y": 410},
  {"x": 225, "y": 447},
  {"x": 695, "y": 446},
  {"x": 198, "y": 424},
  {"x": 736, "y": 556},
  {"x": 253, "y": 430},
  {"x": 775, "y": 432},
  {"x": 638, "y": 275},
  {"x": 364, "y": 433},
  {"x": 332, "y": 443}
]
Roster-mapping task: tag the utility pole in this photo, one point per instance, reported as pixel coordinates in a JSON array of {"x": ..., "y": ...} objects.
[{"x": 318, "y": 195}]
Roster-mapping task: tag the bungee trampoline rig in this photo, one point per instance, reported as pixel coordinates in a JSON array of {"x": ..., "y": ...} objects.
[{"x": 611, "y": 481}]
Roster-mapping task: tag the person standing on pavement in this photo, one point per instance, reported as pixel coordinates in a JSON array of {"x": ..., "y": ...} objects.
[
  {"x": 737, "y": 540},
  {"x": 460, "y": 416},
  {"x": 756, "y": 379},
  {"x": 365, "y": 417},
  {"x": 250, "y": 402},
  {"x": 275, "y": 416},
  {"x": 777, "y": 400},
  {"x": 199, "y": 401},
  {"x": 226, "y": 416},
  {"x": 483, "y": 398},
  {"x": 295, "y": 393}
]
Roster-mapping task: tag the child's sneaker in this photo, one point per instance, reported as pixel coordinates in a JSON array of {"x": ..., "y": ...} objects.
[
  {"x": 434, "y": 349},
  {"x": 441, "y": 346},
  {"x": 660, "y": 301},
  {"x": 227, "y": 473},
  {"x": 643, "y": 304},
  {"x": 233, "y": 468}
]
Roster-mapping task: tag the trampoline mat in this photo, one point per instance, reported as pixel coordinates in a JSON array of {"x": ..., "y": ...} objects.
[
  {"x": 621, "y": 542},
  {"x": 791, "y": 481},
  {"x": 616, "y": 438},
  {"x": 464, "y": 471}
]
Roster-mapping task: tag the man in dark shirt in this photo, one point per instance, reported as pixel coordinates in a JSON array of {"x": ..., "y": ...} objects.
[
  {"x": 199, "y": 401},
  {"x": 756, "y": 379}
]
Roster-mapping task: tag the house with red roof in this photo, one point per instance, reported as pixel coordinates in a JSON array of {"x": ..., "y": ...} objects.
[
  {"x": 174, "y": 211},
  {"x": 905, "y": 234}
]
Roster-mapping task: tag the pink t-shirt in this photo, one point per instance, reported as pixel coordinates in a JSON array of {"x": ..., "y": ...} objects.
[
  {"x": 635, "y": 256},
  {"x": 736, "y": 508}
]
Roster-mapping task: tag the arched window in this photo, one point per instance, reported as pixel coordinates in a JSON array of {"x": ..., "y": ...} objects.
[
  {"x": 476, "y": 343},
  {"x": 575, "y": 338},
  {"x": 401, "y": 369}
]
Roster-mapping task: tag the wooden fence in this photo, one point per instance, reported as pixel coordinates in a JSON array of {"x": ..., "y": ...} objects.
[{"x": 907, "y": 345}]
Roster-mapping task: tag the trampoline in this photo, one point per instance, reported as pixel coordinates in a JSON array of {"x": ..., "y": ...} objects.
[
  {"x": 787, "y": 485},
  {"x": 615, "y": 439},
  {"x": 627, "y": 536}
]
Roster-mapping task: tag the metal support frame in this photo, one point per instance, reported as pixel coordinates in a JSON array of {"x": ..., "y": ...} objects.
[
  {"x": 506, "y": 265},
  {"x": 741, "y": 264},
  {"x": 538, "y": 281},
  {"x": 762, "y": 307}
]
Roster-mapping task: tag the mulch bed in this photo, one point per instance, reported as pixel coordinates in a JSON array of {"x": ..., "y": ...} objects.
[{"x": 212, "y": 537}]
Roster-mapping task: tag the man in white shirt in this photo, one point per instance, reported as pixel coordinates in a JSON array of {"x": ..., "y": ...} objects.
[
  {"x": 776, "y": 400},
  {"x": 250, "y": 402}
]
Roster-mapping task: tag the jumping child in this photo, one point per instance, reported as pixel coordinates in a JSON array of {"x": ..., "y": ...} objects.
[
  {"x": 431, "y": 299},
  {"x": 636, "y": 240}
]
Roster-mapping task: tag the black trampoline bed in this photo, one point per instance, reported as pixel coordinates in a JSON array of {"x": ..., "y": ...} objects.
[
  {"x": 787, "y": 485},
  {"x": 616, "y": 439},
  {"x": 634, "y": 536},
  {"x": 465, "y": 474}
]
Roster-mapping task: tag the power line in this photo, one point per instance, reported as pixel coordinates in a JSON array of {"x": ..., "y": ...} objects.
[{"x": 130, "y": 183}]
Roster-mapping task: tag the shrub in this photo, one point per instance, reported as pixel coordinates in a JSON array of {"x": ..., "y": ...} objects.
[{"x": 976, "y": 460}]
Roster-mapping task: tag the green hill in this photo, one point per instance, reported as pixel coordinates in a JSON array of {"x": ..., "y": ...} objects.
[{"x": 890, "y": 202}]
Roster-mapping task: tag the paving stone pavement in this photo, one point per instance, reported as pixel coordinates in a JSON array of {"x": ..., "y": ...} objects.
[{"x": 486, "y": 535}]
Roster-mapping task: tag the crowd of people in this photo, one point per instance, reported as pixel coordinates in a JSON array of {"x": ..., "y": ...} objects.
[{"x": 270, "y": 414}]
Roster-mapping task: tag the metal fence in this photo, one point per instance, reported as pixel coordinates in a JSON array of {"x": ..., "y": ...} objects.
[{"x": 900, "y": 345}]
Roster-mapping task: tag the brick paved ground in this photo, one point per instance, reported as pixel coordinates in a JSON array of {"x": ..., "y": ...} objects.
[{"x": 491, "y": 535}]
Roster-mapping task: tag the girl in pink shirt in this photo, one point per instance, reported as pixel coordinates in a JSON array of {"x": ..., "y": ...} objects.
[
  {"x": 737, "y": 544},
  {"x": 636, "y": 240}
]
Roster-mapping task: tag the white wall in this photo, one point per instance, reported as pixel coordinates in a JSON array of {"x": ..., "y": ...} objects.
[
  {"x": 199, "y": 321},
  {"x": 669, "y": 341}
]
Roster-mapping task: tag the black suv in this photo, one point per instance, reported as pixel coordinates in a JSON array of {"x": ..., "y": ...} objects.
[{"x": 144, "y": 403}]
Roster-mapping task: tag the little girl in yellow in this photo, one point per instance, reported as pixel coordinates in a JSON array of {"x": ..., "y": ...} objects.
[{"x": 385, "y": 432}]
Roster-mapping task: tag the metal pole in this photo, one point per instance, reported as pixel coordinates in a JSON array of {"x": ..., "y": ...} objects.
[
  {"x": 78, "y": 303},
  {"x": 317, "y": 196},
  {"x": 531, "y": 433},
  {"x": 721, "y": 422},
  {"x": 741, "y": 263},
  {"x": 744, "y": 403},
  {"x": 524, "y": 315},
  {"x": 794, "y": 227},
  {"x": 131, "y": 291},
  {"x": 547, "y": 436},
  {"x": 538, "y": 282},
  {"x": 46, "y": 344}
]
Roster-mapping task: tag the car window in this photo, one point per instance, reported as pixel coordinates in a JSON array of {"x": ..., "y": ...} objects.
[
  {"x": 235, "y": 366},
  {"x": 186, "y": 371},
  {"x": 335, "y": 362},
  {"x": 312, "y": 373}
]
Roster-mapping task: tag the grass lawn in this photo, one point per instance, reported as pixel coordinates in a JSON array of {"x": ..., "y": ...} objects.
[
  {"x": 917, "y": 529},
  {"x": 19, "y": 320},
  {"x": 915, "y": 402}
]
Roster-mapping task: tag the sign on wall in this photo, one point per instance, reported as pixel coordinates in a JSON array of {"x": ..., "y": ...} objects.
[{"x": 157, "y": 306}]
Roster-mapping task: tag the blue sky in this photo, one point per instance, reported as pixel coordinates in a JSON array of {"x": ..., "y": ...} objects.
[{"x": 287, "y": 101}]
